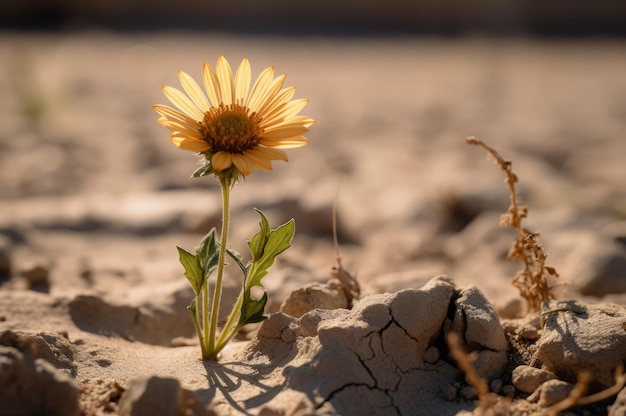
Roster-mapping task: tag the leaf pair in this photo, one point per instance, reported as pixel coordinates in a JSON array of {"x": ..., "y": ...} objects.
[
  {"x": 199, "y": 266},
  {"x": 264, "y": 247}
]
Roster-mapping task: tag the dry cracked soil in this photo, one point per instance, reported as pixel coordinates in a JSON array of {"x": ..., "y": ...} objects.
[{"x": 94, "y": 198}]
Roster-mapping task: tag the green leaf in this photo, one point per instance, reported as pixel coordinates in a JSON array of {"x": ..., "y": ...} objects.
[
  {"x": 208, "y": 253},
  {"x": 265, "y": 246},
  {"x": 192, "y": 307},
  {"x": 193, "y": 270},
  {"x": 204, "y": 170},
  {"x": 238, "y": 259},
  {"x": 259, "y": 240},
  {"x": 252, "y": 310}
]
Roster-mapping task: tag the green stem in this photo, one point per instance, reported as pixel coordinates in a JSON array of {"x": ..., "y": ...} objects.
[
  {"x": 194, "y": 318},
  {"x": 198, "y": 316},
  {"x": 227, "y": 332},
  {"x": 226, "y": 184},
  {"x": 205, "y": 318}
]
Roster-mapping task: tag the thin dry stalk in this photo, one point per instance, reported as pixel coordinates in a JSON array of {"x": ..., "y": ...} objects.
[
  {"x": 532, "y": 280},
  {"x": 465, "y": 363},
  {"x": 349, "y": 284},
  {"x": 576, "y": 398}
]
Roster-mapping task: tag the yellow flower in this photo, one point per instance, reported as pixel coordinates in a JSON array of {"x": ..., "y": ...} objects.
[{"x": 234, "y": 124}]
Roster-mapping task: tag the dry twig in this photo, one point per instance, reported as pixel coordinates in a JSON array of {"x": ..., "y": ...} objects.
[
  {"x": 349, "y": 284},
  {"x": 532, "y": 281},
  {"x": 576, "y": 398},
  {"x": 465, "y": 362}
]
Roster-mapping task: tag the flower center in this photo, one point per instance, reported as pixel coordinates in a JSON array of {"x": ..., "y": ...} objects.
[{"x": 231, "y": 128}]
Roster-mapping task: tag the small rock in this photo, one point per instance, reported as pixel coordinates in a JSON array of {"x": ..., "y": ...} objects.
[
  {"x": 508, "y": 390},
  {"x": 37, "y": 277},
  {"x": 268, "y": 411},
  {"x": 619, "y": 406},
  {"x": 476, "y": 319},
  {"x": 512, "y": 309},
  {"x": 496, "y": 385},
  {"x": 510, "y": 326},
  {"x": 527, "y": 379},
  {"x": 5, "y": 258},
  {"x": 578, "y": 337},
  {"x": 183, "y": 342},
  {"x": 432, "y": 355},
  {"x": 468, "y": 393},
  {"x": 34, "y": 387},
  {"x": 605, "y": 272},
  {"x": 154, "y": 320},
  {"x": 528, "y": 332},
  {"x": 329, "y": 295},
  {"x": 450, "y": 393},
  {"x": 54, "y": 348},
  {"x": 163, "y": 396},
  {"x": 553, "y": 391},
  {"x": 596, "y": 258},
  {"x": 21, "y": 342}
]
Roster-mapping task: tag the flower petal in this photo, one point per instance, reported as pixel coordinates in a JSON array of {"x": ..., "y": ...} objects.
[
  {"x": 270, "y": 94},
  {"x": 226, "y": 79},
  {"x": 177, "y": 125},
  {"x": 305, "y": 121},
  {"x": 194, "y": 91},
  {"x": 221, "y": 161},
  {"x": 278, "y": 99},
  {"x": 284, "y": 132},
  {"x": 181, "y": 128},
  {"x": 243, "y": 164},
  {"x": 285, "y": 111},
  {"x": 175, "y": 115},
  {"x": 259, "y": 160},
  {"x": 187, "y": 143},
  {"x": 288, "y": 143},
  {"x": 242, "y": 82},
  {"x": 271, "y": 153},
  {"x": 259, "y": 87},
  {"x": 182, "y": 102},
  {"x": 211, "y": 85}
]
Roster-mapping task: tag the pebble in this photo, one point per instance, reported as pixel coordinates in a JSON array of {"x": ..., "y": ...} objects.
[
  {"x": 553, "y": 391},
  {"x": 329, "y": 295},
  {"x": 5, "y": 258},
  {"x": 432, "y": 355},
  {"x": 34, "y": 387},
  {"x": 508, "y": 390},
  {"x": 594, "y": 340},
  {"x": 468, "y": 393},
  {"x": 164, "y": 396},
  {"x": 37, "y": 277},
  {"x": 527, "y": 379},
  {"x": 450, "y": 393},
  {"x": 496, "y": 385},
  {"x": 528, "y": 332},
  {"x": 619, "y": 406}
]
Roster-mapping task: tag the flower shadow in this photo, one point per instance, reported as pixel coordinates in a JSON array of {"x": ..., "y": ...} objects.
[{"x": 242, "y": 385}]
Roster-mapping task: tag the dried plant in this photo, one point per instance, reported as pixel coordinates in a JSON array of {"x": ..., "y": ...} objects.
[
  {"x": 349, "y": 284},
  {"x": 532, "y": 280},
  {"x": 577, "y": 398},
  {"x": 489, "y": 404}
]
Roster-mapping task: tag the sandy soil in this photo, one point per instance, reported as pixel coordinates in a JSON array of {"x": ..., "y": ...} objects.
[{"x": 94, "y": 198}]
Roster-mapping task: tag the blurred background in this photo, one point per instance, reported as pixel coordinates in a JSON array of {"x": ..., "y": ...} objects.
[
  {"x": 395, "y": 87},
  {"x": 452, "y": 17}
]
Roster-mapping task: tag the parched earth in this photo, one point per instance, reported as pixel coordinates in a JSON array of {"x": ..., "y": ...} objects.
[{"x": 94, "y": 199}]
